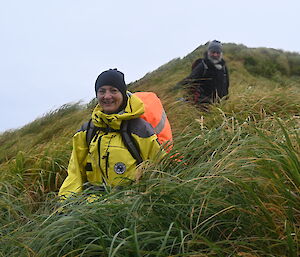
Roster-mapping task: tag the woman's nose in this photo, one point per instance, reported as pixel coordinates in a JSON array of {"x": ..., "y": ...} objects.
[{"x": 106, "y": 94}]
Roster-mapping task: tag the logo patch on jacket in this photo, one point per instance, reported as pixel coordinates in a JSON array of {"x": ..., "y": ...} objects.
[{"x": 119, "y": 168}]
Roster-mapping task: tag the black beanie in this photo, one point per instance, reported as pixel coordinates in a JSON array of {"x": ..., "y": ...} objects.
[
  {"x": 215, "y": 46},
  {"x": 114, "y": 78}
]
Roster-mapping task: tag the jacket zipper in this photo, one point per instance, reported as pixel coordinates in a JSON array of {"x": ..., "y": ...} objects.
[
  {"x": 99, "y": 160},
  {"x": 106, "y": 164},
  {"x": 106, "y": 157}
]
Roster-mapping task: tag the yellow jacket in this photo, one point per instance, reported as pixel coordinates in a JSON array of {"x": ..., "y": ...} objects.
[{"x": 107, "y": 160}]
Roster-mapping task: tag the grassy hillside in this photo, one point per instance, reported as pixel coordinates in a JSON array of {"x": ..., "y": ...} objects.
[{"x": 235, "y": 190}]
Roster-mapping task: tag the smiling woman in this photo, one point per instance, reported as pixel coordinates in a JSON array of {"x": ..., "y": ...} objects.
[{"x": 107, "y": 160}]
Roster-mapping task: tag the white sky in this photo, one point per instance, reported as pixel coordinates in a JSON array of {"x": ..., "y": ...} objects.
[{"x": 51, "y": 51}]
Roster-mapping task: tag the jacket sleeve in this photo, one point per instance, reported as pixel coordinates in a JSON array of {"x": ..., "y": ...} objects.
[{"x": 76, "y": 173}]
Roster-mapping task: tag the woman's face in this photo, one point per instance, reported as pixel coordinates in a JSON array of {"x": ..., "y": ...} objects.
[{"x": 110, "y": 99}]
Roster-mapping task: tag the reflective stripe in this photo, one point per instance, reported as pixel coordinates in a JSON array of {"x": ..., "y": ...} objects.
[{"x": 160, "y": 126}]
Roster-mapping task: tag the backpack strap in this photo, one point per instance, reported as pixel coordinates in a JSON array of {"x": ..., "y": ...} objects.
[
  {"x": 205, "y": 68},
  {"x": 91, "y": 130},
  {"x": 129, "y": 142}
]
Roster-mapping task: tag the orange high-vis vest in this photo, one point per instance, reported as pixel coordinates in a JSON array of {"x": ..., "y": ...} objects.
[{"x": 157, "y": 117}]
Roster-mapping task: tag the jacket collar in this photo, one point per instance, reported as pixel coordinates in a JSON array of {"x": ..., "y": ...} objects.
[{"x": 134, "y": 109}]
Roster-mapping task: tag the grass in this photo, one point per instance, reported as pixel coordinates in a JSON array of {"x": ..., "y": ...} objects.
[
  {"x": 230, "y": 194},
  {"x": 229, "y": 187}
]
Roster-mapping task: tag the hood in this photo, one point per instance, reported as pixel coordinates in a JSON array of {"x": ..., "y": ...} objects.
[{"x": 134, "y": 109}]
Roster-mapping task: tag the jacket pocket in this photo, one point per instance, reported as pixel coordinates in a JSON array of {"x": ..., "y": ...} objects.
[{"x": 121, "y": 166}]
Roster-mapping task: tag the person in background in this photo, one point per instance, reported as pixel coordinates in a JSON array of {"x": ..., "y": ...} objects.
[
  {"x": 105, "y": 160},
  {"x": 208, "y": 81}
]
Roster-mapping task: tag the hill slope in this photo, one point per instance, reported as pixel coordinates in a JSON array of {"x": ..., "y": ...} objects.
[
  {"x": 234, "y": 192},
  {"x": 253, "y": 73}
]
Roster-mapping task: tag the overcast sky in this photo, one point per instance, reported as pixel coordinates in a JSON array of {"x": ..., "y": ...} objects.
[{"x": 51, "y": 51}]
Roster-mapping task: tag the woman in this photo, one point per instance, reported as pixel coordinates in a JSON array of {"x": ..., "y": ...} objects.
[{"x": 106, "y": 160}]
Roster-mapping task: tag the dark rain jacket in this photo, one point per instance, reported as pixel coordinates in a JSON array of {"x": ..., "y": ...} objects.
[
  {"x": 107, "y": 160},
  {"x": 207, "y": 83}
]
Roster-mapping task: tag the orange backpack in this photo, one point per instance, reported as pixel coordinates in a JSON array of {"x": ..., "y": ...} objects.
[{"x": 157, "y": 117}]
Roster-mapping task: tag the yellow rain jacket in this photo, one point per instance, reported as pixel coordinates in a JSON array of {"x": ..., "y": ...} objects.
[{"x": 107, "y": 160}]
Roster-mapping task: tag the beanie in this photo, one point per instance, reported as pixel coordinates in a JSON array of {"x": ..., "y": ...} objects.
[
  {"x": 215, "y": 46},
  {"x": 111, "y": 77}
]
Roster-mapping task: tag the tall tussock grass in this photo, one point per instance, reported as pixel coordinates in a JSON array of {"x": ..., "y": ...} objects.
[{"x": 229, "y": 191}]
